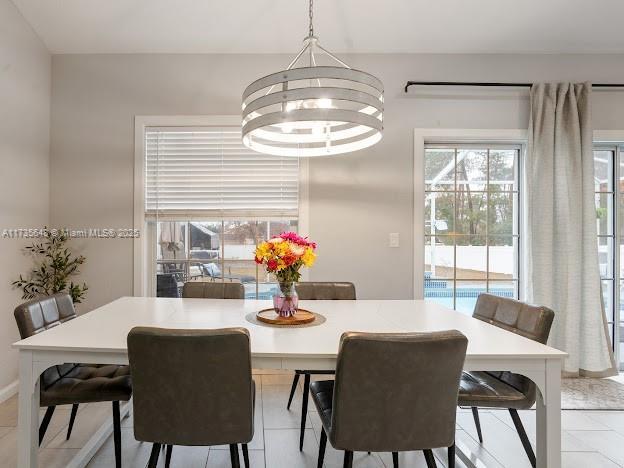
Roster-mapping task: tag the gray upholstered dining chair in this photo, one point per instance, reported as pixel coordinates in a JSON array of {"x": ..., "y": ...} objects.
[
  {"x": 506, "y": 389},
  {"x": 325, "y": 290},
  {"x": 72, "y": 384},
  {"x": 213, "y": 290},
  {"x": 312, "y": 291},
  {"x": 393, "y": 392},
  {"x": 192, "y": 388}
]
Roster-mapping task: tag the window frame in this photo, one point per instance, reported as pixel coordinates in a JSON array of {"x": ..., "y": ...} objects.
[
  {"x": 144, "y": 259},
  {"x": 223, "y": 261},
  {"x": 424, "y": 137},
  {"x": 516, "y": 235}
]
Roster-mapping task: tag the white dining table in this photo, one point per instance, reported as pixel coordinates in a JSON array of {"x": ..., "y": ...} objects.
[{"x": 99, "y": 337}]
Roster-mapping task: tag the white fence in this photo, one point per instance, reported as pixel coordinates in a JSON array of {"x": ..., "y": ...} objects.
[{"x": 473, "y": 257}]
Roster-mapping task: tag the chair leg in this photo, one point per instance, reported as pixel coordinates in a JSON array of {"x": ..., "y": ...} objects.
[
  {"x": 430, "y": 459},
  {"x": 153, "y": 459},
  {"x": 292, "y": 390},
  {"x": 523, "y": 436},
  {"x": 475, "y": 415},
  {"x": 395, "y": 459},
  {"x": 168, "y": 456},
  {"x": 451, "y": 456},
  {"x": 234, "y": 456},
  {"x": 322, "y": 445},
  {"x": 348, "y": 459},
  {"x": 72, "y": 419},
  {"x": 45, "y": 422},
  {"x": 246, "y": 455},
  {"x": 304, "y": 408},
  {"x": 117, "y": 434}
]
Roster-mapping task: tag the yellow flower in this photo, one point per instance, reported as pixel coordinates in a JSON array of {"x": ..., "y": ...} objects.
[
  {"x": 281, "y": 248},
  {"x": 262, "y": 250},
  {"x": 308, "y": 257}
]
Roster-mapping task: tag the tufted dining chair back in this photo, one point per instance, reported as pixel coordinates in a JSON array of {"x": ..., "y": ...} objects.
[
  {"x": 325, "y": 290},
  {"x": 40, "y": 314},
  {"x": 213, "y": 290},
  {"x": 530, "y": 321}
]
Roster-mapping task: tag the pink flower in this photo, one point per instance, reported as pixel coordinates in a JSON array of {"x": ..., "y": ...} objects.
[{"x": 297, "y": 239}]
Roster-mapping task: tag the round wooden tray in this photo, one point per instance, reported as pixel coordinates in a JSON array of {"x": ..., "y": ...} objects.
[{"x": 270, "y": 316}]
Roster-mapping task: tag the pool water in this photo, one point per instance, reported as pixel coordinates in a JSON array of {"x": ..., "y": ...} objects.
[
  {"x": 265, "y": 290},
  {"x": 466, "y": 297},
  {"x": 436, "y": 291}
]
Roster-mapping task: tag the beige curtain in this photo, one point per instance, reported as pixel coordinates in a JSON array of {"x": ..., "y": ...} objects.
[{"x": 562, "y": 256}]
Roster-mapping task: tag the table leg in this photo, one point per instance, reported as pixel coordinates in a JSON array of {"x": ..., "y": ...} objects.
[
  {"x": 28, "y": 419},
  {"x": 549, "y": 418}
]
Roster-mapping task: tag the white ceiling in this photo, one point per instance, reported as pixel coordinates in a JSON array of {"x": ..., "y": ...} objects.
[{"x": 382, "y": 26}]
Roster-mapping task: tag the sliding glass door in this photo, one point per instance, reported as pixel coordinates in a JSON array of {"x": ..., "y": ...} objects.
[{"x": 609, "y": 193}]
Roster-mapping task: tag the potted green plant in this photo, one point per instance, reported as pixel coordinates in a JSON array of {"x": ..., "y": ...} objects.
[{"x": 54, "y": 266}]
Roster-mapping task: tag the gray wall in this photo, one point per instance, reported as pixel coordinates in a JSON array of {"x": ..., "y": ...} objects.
[
  {"x": 356, "y": 200},
  {"x": 25, "y": 84}
]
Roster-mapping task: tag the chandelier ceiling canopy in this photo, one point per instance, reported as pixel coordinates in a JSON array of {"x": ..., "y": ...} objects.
[{"x": 313, "y": 110}]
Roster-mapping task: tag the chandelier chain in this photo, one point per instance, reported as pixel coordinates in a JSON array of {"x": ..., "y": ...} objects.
[{"x": 311, "y": 15}]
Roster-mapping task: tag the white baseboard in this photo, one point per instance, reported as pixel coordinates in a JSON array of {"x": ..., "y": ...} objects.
[{"x": 8, "y": 391}]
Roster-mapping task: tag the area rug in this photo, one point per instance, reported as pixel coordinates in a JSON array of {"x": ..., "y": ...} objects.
[{"x": 592, "y": 394}]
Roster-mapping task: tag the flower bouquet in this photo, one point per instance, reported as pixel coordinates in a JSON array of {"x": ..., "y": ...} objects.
[{"x": 284, "y": 256}]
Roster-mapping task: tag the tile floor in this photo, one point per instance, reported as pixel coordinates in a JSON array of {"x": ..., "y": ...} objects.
[{"x": 589, "y": 438}]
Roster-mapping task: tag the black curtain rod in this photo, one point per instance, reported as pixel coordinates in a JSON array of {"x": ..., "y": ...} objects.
[{"x": 493, "y": 85}]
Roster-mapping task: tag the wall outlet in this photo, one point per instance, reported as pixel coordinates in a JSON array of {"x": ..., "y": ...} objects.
[{"x": 393, "y": 239}]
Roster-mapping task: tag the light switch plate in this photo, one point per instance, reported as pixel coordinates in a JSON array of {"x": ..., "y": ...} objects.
[{"x": 393, "y": 239}]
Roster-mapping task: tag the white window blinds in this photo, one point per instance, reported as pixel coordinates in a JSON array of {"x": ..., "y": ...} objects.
[{"x": 207, "y": 171}]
